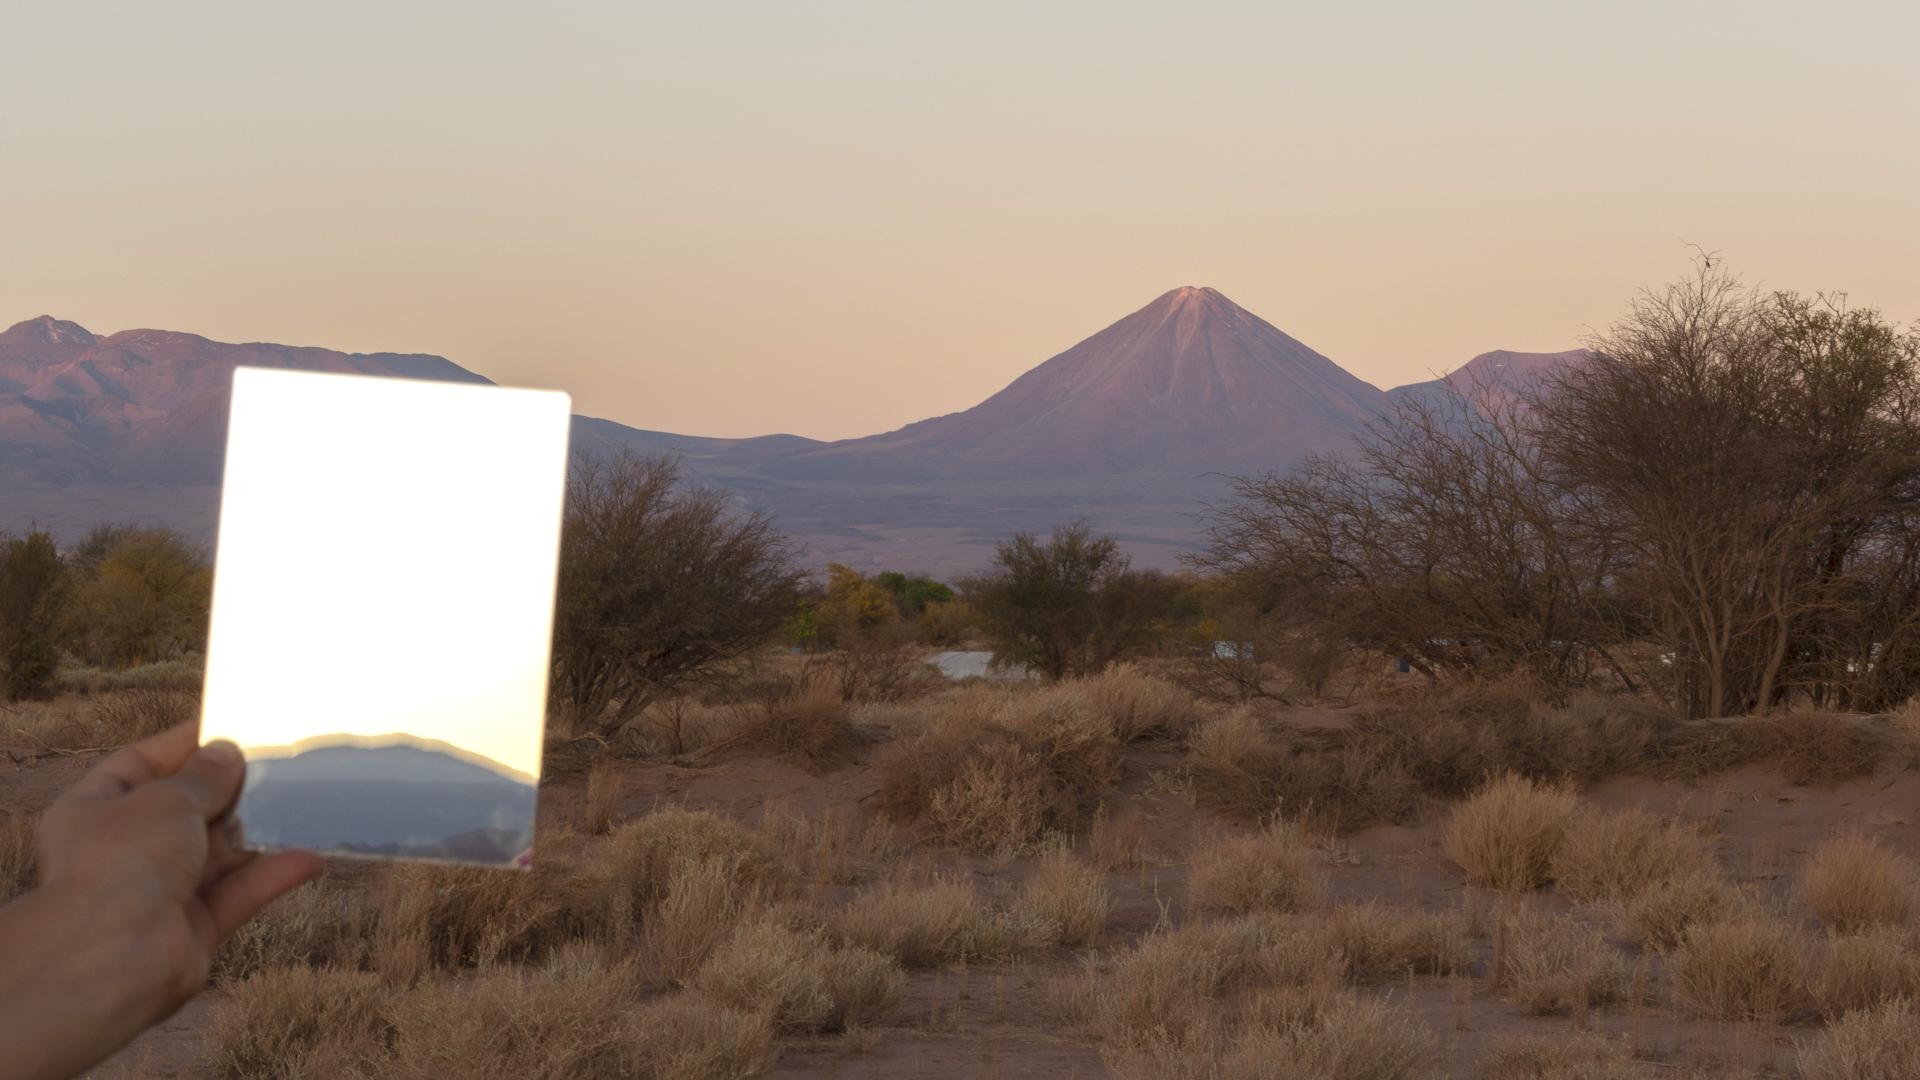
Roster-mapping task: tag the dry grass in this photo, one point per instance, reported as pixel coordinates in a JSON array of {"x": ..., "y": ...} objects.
[
  {"x": 1855, "y": 882},
  {"x": 1615, "y": 857},
  {"x": 992, "y": 772},
  {"x": 798, "y": 981},
  {"x": 316, "y": 925},
  {"x": 16, "y": 856},
  {"x": 124, "y": 716},
  {"x": 1351, "y": 1039},
  {"x": 1559, "y": 965},
  {"x": 1806, "y": 747},
  {"x": 1506, "y": 834},
  {"x": 1235, "y": 764},
  {"x": 570, "y": 1018},
  {"x": 298, "y": 1022},
  {"x": 1878, "y": 1044},
  {"x": 1117, "y": 840},
  {"x": 1865, "y": 970},
  {"x": 1274, "y": 869},
  {"x": 1138, "y": 705},
  {"x": 809, "y": 723},
  {"x": 457, "y": 917},
  {"x": 1750, "y": 966},
  {"x": 928, "y": 925},
  {"x": 185, "y": 676},
  {"x": 1559, "y": 1057},
  {"x": 603, "y": 797},
  {"x": 1066, "y": 899},
  {"x": 1661, "y": 913},
  {"x": 683, "y": 1038},
  {"x": 1380, "y": 943},
  {"x": 641, "y": 863},
  {"x": 829, "y": 847}
]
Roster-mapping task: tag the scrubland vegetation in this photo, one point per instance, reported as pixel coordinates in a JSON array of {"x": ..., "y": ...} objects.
[{"x": 1614, "y": 822}]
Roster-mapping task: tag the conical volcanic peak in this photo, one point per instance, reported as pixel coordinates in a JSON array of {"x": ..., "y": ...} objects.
[{"x": 1190, "y": 381}]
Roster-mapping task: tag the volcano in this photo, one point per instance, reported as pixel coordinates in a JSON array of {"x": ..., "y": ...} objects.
[{"x": 1193, "y": 382}]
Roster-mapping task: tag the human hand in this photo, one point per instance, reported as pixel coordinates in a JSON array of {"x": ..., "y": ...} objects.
[{"x": 139, "y": 884}]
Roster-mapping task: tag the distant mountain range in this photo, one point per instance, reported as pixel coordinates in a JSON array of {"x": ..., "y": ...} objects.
[
  {"x": 399, "y": 799},
  {"x": 1136, "y": 428}
]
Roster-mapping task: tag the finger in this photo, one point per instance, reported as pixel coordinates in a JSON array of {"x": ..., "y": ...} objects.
[
  {"x": 149, "y": 759},
  {"x": 225, "y": 850},
  {"x": 212, "y": 777},
  {"x": 240, "y": 895}
]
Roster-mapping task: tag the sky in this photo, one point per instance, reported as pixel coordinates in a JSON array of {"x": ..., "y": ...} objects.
[{"x": 832, "y": 219}]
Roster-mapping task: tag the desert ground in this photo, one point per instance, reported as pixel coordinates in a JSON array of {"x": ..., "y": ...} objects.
[{"x": 1106, "y": 877}]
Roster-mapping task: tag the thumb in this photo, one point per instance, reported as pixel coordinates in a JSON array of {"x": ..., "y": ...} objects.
[{"x": 212, "y": 776}]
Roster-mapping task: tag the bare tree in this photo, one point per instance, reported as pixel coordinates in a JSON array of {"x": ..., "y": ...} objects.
[{"x": 660, "y": 583}]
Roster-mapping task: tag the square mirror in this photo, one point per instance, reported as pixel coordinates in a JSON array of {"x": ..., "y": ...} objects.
[{"x": 383, "y": 610}]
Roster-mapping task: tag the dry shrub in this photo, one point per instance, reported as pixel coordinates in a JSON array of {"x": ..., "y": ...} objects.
[
  {"x": 1878, "y": 1044},
  {"x": 603, "y": 796},
  {"x": 826, "y": 847},
  {"x": 1157, "y": 997},
  {"x": 1661, "y": 913},
  {"x": 927, "y": 925},
  {"x": 1556, "y": 965},
  {"x": 455, "y": 916},
  {"x": 798, "y": 980},
  {"x": 685, "y": 1038},
  {"x": 316, "y": 925},
  {"x": 292, "y": 1022},
  {"x": 1137, "y": 704},
  {"x": 1854, "y": 882},
  {"x": 1808, "y": 748},
  {"x": 1377, "y": 942},
  {"x": 809, "y": 723},
  {"x": 1506, "y": 834},
  {"x": 1235, "y": 765},
  {"x": 1867, "y": 969},
  {"x": 994, "y": 773},
  {"x": 1066, "y": 899},
  {"x": 1750, "y": 966},
  {"x": 1271, "y": 870},
  {"x": 640, "y": 863},
  {"x": 16, "y": 856},
  {"x": 125, "y": 716},
  {"x": 1117, "y": 841},
  {"x": 184, "y": 675},
  {"x": 1614, "y": 857},
  {"x": 1560, "y": 1057},
  {"x": 1348, "y": 1039},
  {"x": 565, "y": 1020}
]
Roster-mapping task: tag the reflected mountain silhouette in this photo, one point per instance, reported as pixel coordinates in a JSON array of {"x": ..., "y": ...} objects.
[{"x": 409, "y": 799}]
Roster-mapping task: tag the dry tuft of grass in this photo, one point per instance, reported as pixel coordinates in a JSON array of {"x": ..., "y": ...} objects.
[
  {"x": 1505, "y": 835},
  {"x": 798, "y": 981},
  {"x": 1750, "y": 966},
  {"x": 566, "y": 1019},
  {"x": 124, "y": 716},
  {"x": 1559, "y": 1057},
  {"x": 1235, "y": 764},
  {"x": 454, "y": 917},
  {"x": 316, "y": 925},
  {"x": 928, "y": 925},
  {"x": 1379, "y": 943},
  {"x": 810, "y": 723},
  {"x": 1274, "y": 870},
  {"x": 1882, "y": 1043},
  {"x": 1615, "y": 857},
  {"x": 1855, "y": 882},
  {"x": 1066, "y": 899},
  {"x": 1349, "y": 1039},
  {"x": 1867, "y": 969},
  {"x": 603, "y": 797},
  {"x": 643, "y": 862},
  {"x": 1138, "y": 705},
  {"x": 298, "y": 1022},
  {"x": 16, "y": 856},
  {"x": 1117, "y": 840},
  {"x": 1559, "y": 965},
  {"x": 1660, "y": 914},
  {"x": 685, "y": 1038}
]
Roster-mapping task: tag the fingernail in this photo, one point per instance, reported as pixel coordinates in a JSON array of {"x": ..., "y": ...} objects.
[{"x": 220, "y": 752}]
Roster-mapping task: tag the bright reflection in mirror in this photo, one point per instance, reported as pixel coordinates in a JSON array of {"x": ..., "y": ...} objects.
[{"x": 382, "y": 611}]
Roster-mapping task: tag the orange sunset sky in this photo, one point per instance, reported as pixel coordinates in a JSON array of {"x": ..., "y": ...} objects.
[{"x": 832, "y": 219}]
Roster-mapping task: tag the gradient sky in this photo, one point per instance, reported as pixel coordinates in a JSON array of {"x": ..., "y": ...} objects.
[{"x": 832, "y": 219}]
